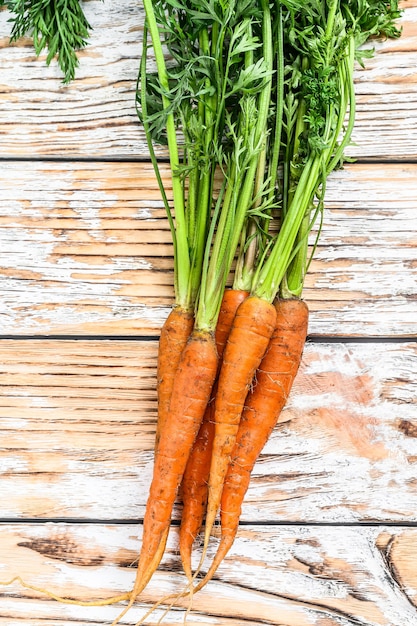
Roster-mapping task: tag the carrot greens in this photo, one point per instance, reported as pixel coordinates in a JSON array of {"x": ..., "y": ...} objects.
[
  {"x": 58, "y": 25},
  {"x": 321, "y": 43},
  {"x": 214, "y": 95}
]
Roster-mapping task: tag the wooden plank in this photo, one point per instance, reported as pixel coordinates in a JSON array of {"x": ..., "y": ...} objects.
[
  {"x": 78, "y": 424},
  {"x": 85, "y": 249},
  {"x": 386, "y": 96},
  {"x": 287, "y": 575},
  {"x": 95, "y": 116}
]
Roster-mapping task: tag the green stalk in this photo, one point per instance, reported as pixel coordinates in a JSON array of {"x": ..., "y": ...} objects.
[
  {"x": 248, "y": 239},
  {"x": 237, "y": 200},
  {"x": 209, "y": 284},
  {"x": 141, "y": 94},
  {"x": 346, "y": 78},
  {"x": 181, "y": 259},
  {"x": 261, "y": 130},
  {"x": 248, "y": 250},
  {"x": 192, "y": 160},
  {"x": 331, "y": 19},
  {"x": 269, "y": 277},
  {"x": 293, "y": 281},
  {"x": 279, "y": 103},
  {"x": 205, "y": 175}
]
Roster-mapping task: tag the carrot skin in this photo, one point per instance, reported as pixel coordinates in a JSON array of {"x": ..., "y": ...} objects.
[
  {"x": 252, "y": 329},
  {"x": 232, "y": 299},
  {"x": 263, "y": 407},
  {"x": 194, "y": 488},
  {"x": 173, "y": 338},
  {"x": 195, "y": 480}
]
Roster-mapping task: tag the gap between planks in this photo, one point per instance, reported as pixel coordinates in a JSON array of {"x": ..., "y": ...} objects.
[
  {"x": 148, "y": 338},
  {"x": 389, "y": 160},
  {"x": 176, "y": 523}
]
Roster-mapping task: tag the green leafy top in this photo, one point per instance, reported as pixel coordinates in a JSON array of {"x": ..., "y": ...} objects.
[
  {"x": 217, "y": 77},
  {"x": 322, "y": 40},
  {"x": 58, "y": 25},
  {"x": 209, "y": 102}
]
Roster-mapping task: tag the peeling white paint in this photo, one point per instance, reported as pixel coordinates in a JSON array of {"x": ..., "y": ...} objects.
[
  {"x": 14, "y": 424},
  {"x": 13, "y": 464},
  {"x": 88, "y": 207},
  {"x": 146, "y": 214}
]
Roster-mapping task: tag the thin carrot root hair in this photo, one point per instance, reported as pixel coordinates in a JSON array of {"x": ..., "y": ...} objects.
[
  {"x": 142, "y": 580},
  {"x": 104, "y": 602},
  {"x": 170, "y": 600},
  {"x": 195, "y": 479},
  {"x": 263, "y": 406}
]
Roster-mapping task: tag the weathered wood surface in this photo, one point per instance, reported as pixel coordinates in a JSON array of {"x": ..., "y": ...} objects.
[
  {"x": 96, "y": 114},
  {"x": 321, "y": 576},
  {"x": 85, "y": 249},
  {"x": 78, "y": 419},
  {"x": 329, "y": 532}
]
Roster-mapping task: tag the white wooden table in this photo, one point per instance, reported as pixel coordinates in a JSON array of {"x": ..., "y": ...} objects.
[{"x": 329, "y": 527}]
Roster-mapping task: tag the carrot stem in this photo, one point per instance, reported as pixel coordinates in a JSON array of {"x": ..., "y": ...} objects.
[{"x": 181, "y": 260}]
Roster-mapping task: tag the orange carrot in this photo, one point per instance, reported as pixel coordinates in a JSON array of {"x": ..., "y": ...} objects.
[
  {"x": 174, "y": 335},
  {"x": 232, "y": 299},
  {"x": 263, "y": 406},
  {"x": 190, "y": 395},
  {"x": 252, "y": 328},
  {"x": 195, "y": 479},
  {"x": 194, "y": 488}
]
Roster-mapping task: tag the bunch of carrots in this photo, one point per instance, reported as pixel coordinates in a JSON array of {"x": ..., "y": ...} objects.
[{"x": 255, "y": 101}]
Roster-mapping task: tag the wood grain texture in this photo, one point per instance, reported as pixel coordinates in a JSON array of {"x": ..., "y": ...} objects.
[
  {"x": 387, "y": 94},
  {"x": 78, "y": 419},
  {"x": 283, "y": 576},
  {"x": 85, "y": 249},
  {"x": 95, "y": 115}
]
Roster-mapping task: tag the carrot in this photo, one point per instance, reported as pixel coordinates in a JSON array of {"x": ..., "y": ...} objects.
[
  {"x": 190, "y": 395},
  {"x": 263, "y": 406},
  {"x": 174, "y": 335},
  {"x": 195, "y": 479},
  {"x": 194, "y": 488},
  {"x": 232, "y": 299},
  {"x": 198, "y": 365},
  {"x": 248, "y": 340}
]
